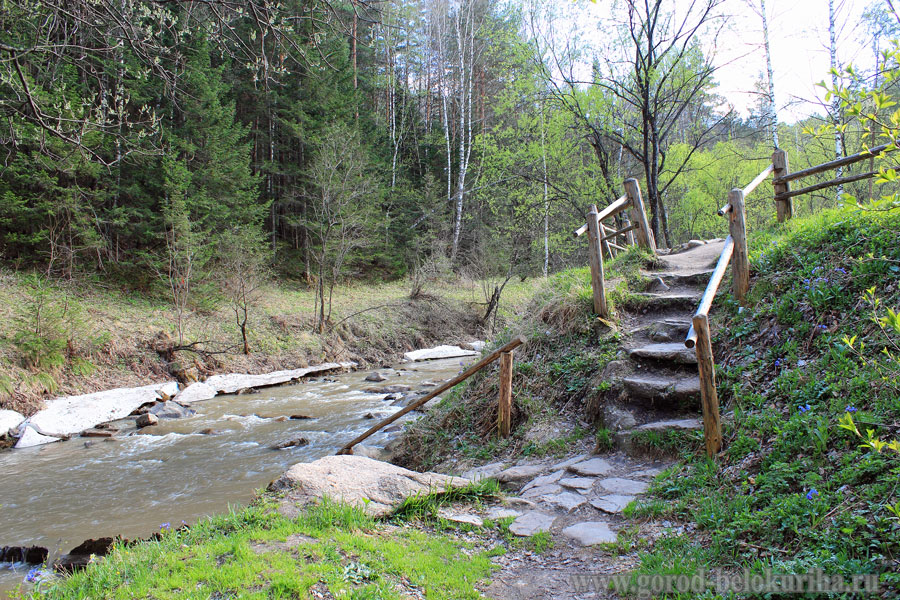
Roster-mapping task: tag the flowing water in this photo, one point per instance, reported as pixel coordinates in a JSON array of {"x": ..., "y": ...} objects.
[{"x": 63, "y": 493}]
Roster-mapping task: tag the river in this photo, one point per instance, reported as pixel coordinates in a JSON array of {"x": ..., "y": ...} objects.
[{"x": 61, "y": 494}]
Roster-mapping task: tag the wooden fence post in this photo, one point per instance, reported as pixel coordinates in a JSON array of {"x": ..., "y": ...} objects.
[
  {"x": 642, "y": 234},
  {"x": 784, "y": 207},
  {"x": 597, "y": 282},
  {"x": 740, "y": 266},
  {"x": 505, "y": 413},
  {"x": 712, "y": 428}
]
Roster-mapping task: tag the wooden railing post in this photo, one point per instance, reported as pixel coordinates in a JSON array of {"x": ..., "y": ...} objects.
[
  {"x": 740, "y": 268},
  {"x": 785, "y": 207},
  {"x": 597, "y": 282},
  {"x": 642, "y": 233},
  {"x": 505, "y": 413},
  {"x": 604, "y": 243},
  {"x": 712, "y": 428}
]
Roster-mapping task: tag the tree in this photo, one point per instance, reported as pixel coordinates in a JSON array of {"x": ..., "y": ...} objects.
[
  {"x": 660, "y": 76},
  {"x": 341, "y": 187},
  {"x": 241, "y": 267}
]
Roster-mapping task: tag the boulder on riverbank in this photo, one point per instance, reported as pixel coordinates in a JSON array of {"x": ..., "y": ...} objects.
[
  {"x": 71, "y": 415},
  {"x": 377, "y": 487},
  {"x": 439, "y": 352}
]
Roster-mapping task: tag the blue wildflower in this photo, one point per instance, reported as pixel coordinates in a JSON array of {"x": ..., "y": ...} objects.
[
  {"x": 165, "y": 526},
  {"x": 841, "y": 270},
  {"x": 33, "y": 575},
  {"x": 821, "y": 327},
  {"x": 850, "y": 409},
  {"x": 805, "y": 408},
  {"x": 812, "y": 494},
  {"x": 777, "y": 362}
]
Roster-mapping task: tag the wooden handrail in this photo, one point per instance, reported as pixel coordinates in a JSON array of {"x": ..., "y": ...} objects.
[
  {"x": 759, "y": 179},
  {"x": 512, "y": 344},
  {"x": 834, "y": 164},
  {"x": 826, "y": 184},
  {"x": 724, "y": 210},
  {"x": 619, "y": 232},
  {"x": 711, "y": 288},
  {"x": 613, "y": 209}
]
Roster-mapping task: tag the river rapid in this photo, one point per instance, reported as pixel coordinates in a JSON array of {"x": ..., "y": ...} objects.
[{"x": 61, "y": 494}]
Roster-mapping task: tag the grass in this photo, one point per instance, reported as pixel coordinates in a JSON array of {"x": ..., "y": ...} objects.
[
  {"x": 255, "y": 552},
  {"x": 793, "y": 490}
]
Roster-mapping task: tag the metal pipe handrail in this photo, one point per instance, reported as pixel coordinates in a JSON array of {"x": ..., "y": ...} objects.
[
  {"x": 759, "y": 179},
  {"x": 711, "y": 288}
]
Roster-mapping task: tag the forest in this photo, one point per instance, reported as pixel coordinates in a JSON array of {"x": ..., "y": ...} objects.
[{"x": 193, "y": 149}]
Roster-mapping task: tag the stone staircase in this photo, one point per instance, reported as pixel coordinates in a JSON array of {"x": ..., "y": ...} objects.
[{"x": 658, "y": 385}]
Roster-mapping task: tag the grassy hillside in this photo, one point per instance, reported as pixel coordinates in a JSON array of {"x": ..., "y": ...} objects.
[
  {"x": 77, "y": 336},
  {"x": 813, "y": 360}
]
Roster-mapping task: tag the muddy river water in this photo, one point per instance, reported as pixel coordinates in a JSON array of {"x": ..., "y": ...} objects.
[{"x": 60, "y": 494}]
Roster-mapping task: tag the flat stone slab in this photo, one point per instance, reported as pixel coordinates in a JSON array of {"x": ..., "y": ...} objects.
[
  {"x": 612, "y": 503},
  {"x": 520, "y": 473},
  {"x": 569, "y": 462},
  {"x": 438, "y": 353},
  {"x": 592, "y": 467},
  {"x": 589, "y": 533},
  {"x": 73, "y": 414},
  {"x": 231, "y": 383},
  {"x": 544, "y": 480},
  {"x": 620, "y": 485},
  {"x": 662, "y": 388},
  {"x": 484, "y": 472},
  {"x": 9, "y": 419},
  {"x": 577, "y": 483},
  {"x": 30, "y": 438},
  {"x": 461, "y": 518},
  {"x": 496, "y": 513},
  {"x": 532, "y": 522},
  {"x": 673, "y": 352},
  {"x": 564, "y": 501},
  {"x": 651, "y": 472},
  {"x": 677, "y": 424},
  {"x": 196, "y": 392},
  {"x": 377, "y": 487},
  {"x": 542, "y": 490}
]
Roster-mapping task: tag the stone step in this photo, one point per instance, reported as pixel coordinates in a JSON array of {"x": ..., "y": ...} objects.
[
  {"x": 663, "y": 388},
  {"x": 666, "y": 330},
  {"x": 634, "y": 441},
  {"x": 670, "y": 352},
  {"x": 697, "y": 278},
  {"x": 667, "y": 300}
]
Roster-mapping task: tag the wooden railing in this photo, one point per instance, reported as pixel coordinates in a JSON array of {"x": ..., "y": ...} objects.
[
  {"x": 698, "y": 337},
  {"x": 783, "y": 177},
  {"x": 635, "y": 230},
  {"x": 505, "y": 354},
  {"x": 735, "y": 251}
]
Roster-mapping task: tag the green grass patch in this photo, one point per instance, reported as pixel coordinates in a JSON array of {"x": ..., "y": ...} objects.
[{"x": 257, "y": 553}]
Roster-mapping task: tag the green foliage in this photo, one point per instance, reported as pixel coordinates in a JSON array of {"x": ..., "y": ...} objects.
[{"x": 807, "y": 479}]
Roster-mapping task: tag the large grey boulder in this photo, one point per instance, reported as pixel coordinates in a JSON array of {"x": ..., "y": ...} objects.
[
  {"x": 73, "y": 414},
  {"x": 377, "y": 487},
  {"x": 439, "y": 352},
  {"x": 9, "y": 419},
  {"x": 30, "y": 438},
  {"x": 231, "y": 383}
]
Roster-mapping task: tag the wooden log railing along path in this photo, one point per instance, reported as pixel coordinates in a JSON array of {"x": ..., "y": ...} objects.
[
  {"x": 505, "y": 354},
  {"x": 735, "y": 252},
  {"x": 635, "y": 230}
]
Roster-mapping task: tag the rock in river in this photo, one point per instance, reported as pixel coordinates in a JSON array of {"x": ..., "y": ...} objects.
[{"x": 299, "y": 441}]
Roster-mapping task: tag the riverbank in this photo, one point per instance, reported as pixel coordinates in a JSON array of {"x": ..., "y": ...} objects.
[{"x": 76, "y": 337}]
